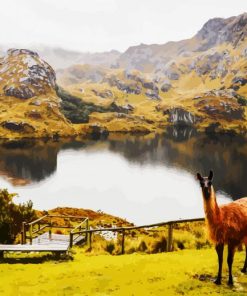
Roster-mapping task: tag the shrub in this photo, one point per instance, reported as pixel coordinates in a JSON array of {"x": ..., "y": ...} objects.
[
  {"x": 142, "y": 246},
  {"x": 12, "y": 216},
  {"x": 75, "y": 109},
  {"x": 110, "y": 247},
  {"x": 159, "y": 245},
  {"x": 242, "y": 101}
]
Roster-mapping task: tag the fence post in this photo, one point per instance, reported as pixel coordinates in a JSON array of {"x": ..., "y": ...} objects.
[
  {"x": 23, "y": 233},
  {"x": 123, "y": 236},
  {"x": 50, "y": 225},
  {"x": 169, "y": 242},
  {"x": 87, "y": 228},
  {"x": 71, "y": 239},
  {"x": 31, "y": 233},
  {"x": 90, "y": 240}
]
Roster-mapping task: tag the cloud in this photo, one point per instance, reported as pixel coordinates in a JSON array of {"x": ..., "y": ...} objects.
[{"x": 99, "y": 25}]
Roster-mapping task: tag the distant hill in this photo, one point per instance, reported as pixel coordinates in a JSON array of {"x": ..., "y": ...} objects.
[
  {"x": 199, "y": 82},
  {"x": 216, "y": 32},
  {"x": 60, "y": 58}
]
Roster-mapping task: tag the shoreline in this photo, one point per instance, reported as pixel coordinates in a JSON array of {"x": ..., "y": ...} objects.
[{"x": 104, "y": 134}]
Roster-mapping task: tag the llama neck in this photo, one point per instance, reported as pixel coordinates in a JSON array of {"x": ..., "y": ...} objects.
[{"x": 211, "y": 208}]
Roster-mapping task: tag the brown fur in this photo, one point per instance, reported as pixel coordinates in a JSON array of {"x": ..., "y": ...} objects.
[{"x": 228, "y": 222}]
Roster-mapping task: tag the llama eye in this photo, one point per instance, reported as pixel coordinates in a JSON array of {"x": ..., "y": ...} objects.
[
  {"x": 202, "y": 184},
  {"x": 209, "y": 183}
]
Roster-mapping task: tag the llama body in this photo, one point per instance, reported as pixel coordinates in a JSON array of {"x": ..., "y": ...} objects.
[{"x": 226, "y": 224}]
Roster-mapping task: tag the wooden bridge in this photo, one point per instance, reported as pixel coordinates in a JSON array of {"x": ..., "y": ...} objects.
[{"x": 44, "y": 235}]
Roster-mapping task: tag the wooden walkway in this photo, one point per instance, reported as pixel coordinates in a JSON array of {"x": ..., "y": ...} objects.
[
  {"x": 42, "y": 243},
  {"x": 46, "y": 241}
]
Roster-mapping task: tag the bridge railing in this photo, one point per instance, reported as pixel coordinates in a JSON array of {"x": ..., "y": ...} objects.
[
  {"x": 123, "y": 230},
  {"x": 46, "y": 222},
  {"x": 79, "y": 231}
]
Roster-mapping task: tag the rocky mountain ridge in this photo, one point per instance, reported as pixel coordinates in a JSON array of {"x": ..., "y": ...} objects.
[
  {"x": 203, "y": 77},
  {"x": 199, "y": 82},
  {"x": 217, "y": 31}
]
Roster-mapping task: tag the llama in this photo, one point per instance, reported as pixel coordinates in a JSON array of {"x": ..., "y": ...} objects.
[{"x": 227, "y": 224}]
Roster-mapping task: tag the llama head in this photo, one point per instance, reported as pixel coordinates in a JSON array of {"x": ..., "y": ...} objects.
[{"x": 206, "y": 184}]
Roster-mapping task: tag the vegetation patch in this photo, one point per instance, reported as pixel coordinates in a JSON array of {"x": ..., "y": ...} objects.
[
  {"x": 12, "y": 216},
  {"x": 74, "y": 109}
]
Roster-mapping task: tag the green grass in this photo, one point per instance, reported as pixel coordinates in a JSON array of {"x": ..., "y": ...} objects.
[{"x": 187, "y": 272}]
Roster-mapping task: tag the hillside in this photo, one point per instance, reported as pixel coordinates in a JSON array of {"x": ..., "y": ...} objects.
[
  {"x": 29, "y": 106},
  {"x": 61, "y": 58},
  {"x": 188, "y": 272},
  {"x": 32, "y": 105},
  {"x": 199, "y": 81}
]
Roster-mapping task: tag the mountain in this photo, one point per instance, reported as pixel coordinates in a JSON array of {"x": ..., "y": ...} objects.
[
  {"x": 231, "y": 31},
  {"x": 29, "y": 105},
  {"x": 200, "y": 81},
  {"x": 32, "y": 105},
  {"x": 60, "y": 58}
]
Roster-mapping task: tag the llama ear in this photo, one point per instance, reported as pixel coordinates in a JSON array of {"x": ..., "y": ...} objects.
[
  {"x": 199, "y": 177},
  {"x": 211, "y": 174}
]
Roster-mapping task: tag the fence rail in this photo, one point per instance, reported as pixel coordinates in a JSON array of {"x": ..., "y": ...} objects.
[
  {"x": 123, "y": 230},
  {"x": 46, "y": 222},
  {"x": 82, "y": 230}
]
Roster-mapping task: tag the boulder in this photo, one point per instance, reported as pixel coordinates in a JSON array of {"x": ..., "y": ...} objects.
[
  {"x": 182, "y": 117},
  {"x": 121, "y": 109},
  {"x": 21, "y": 92},
  {"x": 98, "y": 132},
  {"x": 152, "y": 94},
  {"x": 129, "y": 88},
  {"x": 237, "y": 82},
  {"x": 166, "y": 87},
  {"x": 20, "y": 127},
  {"x": 150, "y": 85},
  {"x": 224, "y": 108},
  {"x": 227, "y": 111},
  {"x": 103, "y": 94}
]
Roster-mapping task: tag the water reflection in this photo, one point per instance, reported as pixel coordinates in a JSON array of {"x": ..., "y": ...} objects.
[{"x": 142, "y": 170}]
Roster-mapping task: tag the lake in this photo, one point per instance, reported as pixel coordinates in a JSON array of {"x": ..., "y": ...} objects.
[{"x": 143, "y": 178}]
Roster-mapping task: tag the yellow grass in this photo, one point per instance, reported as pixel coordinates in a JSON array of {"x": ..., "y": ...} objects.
[{"x": 187, "y": 272}]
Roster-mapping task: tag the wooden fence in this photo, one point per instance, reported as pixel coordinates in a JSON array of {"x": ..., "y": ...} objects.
[
  {"x": 123, "y": 231},
  {"x": 44, "y": 223}
]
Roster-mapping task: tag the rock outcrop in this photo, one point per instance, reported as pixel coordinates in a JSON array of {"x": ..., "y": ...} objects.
[
  {"x": 24, "y": 75},
  {"x": 166, "y": 87},
  {"x": 29, "y": 106},
  {"x": 182, "y": 117},
  {"x": 129, "y": 88}
]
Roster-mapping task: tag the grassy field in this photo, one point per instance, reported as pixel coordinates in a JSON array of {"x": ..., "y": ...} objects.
[{"x": 187, "y": 272}]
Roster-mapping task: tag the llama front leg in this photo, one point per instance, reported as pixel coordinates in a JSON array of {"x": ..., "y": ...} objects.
[
  {"x": 219, "y": 249},
  {"x": 231, "y": 251},
  {"x": 245, "y": 263}
]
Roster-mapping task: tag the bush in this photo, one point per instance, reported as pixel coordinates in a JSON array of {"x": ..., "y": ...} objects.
[
  {"x": 142, "y": 246},
  {"x": 159, "y": 245},
  {"x": 242, "y": 100},
  {"x": 110, "y": 247},
  {"x": 12, "y": 216},
  {"x": 75, "y": 109}
]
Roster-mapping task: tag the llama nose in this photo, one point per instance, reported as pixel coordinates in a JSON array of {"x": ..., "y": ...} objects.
[{"x": 206, "y": 192}]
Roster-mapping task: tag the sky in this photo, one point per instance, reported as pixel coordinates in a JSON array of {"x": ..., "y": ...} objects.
[{"x": 103, "y": 25}]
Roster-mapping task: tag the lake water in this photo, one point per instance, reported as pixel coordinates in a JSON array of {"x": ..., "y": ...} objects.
[{"x": 145, "y": 179}]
